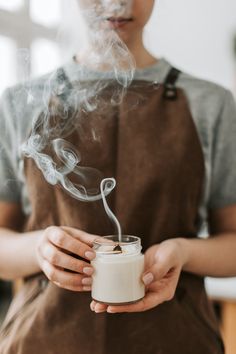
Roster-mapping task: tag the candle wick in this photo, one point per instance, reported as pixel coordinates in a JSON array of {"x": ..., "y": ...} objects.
[{"x": 117, "y": 248}]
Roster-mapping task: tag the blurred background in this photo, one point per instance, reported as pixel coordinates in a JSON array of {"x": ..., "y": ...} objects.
[{"x": 199, "y": 37}]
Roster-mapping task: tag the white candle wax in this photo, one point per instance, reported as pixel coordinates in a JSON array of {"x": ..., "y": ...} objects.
[{"x": 117, "y": 276}]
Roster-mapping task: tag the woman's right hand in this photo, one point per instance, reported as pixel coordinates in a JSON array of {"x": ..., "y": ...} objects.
[{"x": 55, "y": 250}]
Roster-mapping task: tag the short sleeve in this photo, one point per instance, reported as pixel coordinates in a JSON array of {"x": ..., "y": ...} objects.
[
  {"x": 223, "y": 164},
  {"x": 9, "y": 183}
]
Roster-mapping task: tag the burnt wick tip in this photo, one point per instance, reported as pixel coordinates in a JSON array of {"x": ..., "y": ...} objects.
[{"x": 117, "y": 248}]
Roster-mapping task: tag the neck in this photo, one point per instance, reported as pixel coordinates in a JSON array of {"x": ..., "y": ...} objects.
[
  {"x": 136, "y": 47},
  {"x": 141, "y": 55}
]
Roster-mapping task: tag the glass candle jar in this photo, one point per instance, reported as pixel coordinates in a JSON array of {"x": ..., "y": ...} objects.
[{"x": 118, "y": 270}]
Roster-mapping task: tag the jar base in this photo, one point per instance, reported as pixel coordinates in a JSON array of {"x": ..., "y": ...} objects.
[{"x": 118, "y": 303}]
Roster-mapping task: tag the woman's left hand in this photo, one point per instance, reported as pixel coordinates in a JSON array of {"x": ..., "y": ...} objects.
[{"x": 163, "y": 265}]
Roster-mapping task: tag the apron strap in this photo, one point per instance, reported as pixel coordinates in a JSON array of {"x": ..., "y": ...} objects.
[
  {"x": 170, "y": 90},
  {"x": 63, "y": 84}
]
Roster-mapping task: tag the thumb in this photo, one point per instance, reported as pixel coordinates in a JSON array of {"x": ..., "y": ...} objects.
[{"x": 156, "y": 272}]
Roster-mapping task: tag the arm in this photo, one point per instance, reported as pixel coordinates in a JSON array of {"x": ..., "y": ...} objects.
[
  {"x": 17, "y": 251},
  {"x": 215, "y": 256}
]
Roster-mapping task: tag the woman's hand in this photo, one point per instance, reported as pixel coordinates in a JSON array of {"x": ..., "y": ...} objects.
[
  {"x": 56, "y": 253},
  {"x": 163, "y": 264}
]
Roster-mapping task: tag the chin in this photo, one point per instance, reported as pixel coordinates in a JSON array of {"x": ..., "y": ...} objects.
[{"x": 125, "y": 36}]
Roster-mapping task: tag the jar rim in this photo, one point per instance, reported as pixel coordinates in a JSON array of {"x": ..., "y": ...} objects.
[{"x": 106, "y": 240}]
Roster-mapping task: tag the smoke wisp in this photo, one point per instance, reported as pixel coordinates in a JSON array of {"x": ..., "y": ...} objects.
[{"x": 64, "y": 100}]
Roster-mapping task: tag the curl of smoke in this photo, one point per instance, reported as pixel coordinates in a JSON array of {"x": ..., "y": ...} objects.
[{"x": 107, "y": 185}]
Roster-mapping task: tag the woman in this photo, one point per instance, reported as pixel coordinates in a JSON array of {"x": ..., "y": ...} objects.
[{"x": 171, "y": 152}]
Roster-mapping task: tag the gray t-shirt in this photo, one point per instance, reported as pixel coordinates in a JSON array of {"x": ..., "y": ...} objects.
[{"x": 212, "y": 107}]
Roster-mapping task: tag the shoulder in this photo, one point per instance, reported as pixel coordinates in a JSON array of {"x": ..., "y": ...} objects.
[
  {"x": 23, "y": 95},
  {"x": 206, "y": 93},
  {"x": 34, "y": 91},
  {"x": 212, "y": 106},
  {"x": 26, "y": 93},
  {"x": 209, "y": 102},
  {"x": 22, "y": 103},
  {"x": 205, "y": 98}
]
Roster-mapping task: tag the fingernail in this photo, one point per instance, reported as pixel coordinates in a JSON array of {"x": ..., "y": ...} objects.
[
  {"x": 98, "y": 309},
  {"x": 148, "y": 278},
  {"x": 87, "y": 281},
  {"x": 86, "y": 288},
  {"x": 92, "y": 306},
  {"x": 110, "y": 310},
  {"x": 88, "y": 270},
  {"x": 90, "y": 255}
]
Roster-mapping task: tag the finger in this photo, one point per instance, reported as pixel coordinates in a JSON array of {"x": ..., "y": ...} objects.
[
  {"x": 60, "y": 259},
  {"x": 82, "y": 235},
  {"x": 99, "y": 307},
  {"x": 64, "y": 279},
  {"x": 65, "y": 241},
  {"x": 155, "y": 273},
  {"x": 92, "y": 305},
  {"x": 75, "y": 289},
  {"x": 150, "y": 301}
]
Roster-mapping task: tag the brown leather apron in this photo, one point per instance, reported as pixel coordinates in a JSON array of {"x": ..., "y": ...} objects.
[{"x": 149, "y": 143}]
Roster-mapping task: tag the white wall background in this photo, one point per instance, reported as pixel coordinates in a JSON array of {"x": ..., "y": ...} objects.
[{"x": 197, "y": 36}]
